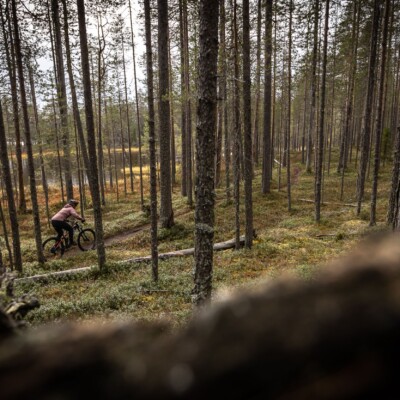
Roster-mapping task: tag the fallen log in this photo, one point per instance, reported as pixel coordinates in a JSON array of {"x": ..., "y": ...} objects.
[
  {"x": 229, "y": 244},
  {"x": 333, "y": 338},
  {"x": 327, "y": 204}
]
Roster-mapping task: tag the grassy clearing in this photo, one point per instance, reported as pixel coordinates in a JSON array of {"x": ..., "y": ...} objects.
[{"x": 286, "y": 243}]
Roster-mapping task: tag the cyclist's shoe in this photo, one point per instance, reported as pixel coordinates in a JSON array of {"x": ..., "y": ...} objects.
[
  {"x": 73, "y": 244},
  {"x": 53, "y": 250}
]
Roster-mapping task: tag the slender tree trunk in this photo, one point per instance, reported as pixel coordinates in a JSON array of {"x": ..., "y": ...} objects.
[
  {"x": 128, "y": 123},
  {"x": 205, "y": 151},
  {"x": 188, "y": 113},
  {"x": 256, "y": 135},
  {"x": 313, "y": 88},
  {"x": 227, "y": 141},
  {"x": 12, "y": 73},
  {"x": 31, "y": 167},
  {"x": 220, "y": 109},
  {"x": 62, "y": 99},
  {"x": 366, "y": 134},
  {"x": 237, "y": 129},
  {"x": 172, "y": 120},
  {"x": 101, "y": 254},
  {"x": 39, "y": 139},
  {"x": 166, "y": 212},
  {"x": 320, "y": 158},
  {"x": 7, "y": 242},
  {"x": 139, "y": 133},
  {"x": 289, "y": 115},
  {"x": 267, "y": 174},
  {"x": 152, "y": 143},
  {"x": 248, "y": 161},
  {"x": 100, "y": 77},
  {"x": 6, "y": 173},
  {"x": 379, "y": 115},
  {"x": 183, "y": 102},
  {"x": 344, "y": 147},
  {"x": 75, "y": 106}
]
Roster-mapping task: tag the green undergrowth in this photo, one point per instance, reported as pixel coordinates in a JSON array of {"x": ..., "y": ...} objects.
[{"x": 287, "y": 243}]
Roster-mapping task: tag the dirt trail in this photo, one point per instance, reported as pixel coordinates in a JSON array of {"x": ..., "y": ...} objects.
[{"x": 123, "y": 236}]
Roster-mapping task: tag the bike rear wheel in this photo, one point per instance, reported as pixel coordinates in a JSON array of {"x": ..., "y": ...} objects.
[
  {"x": 87, "y": 240},
  {"x": 50, "y": 249}
]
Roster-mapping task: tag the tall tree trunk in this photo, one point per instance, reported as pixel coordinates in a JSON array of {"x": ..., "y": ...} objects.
[
  {"x": 172, "y": 120},
  {"x": 62, "y": 99},
  {"x": 128, "y": 123},
  {"x": 75, "y": 106},
  {"x": 320, "y": 158},
  {"x": 227, "y": 141},
  {"x": 266, "y": 171},
  {"x": 39, "y": 139},
  {"x": 31, "y": 167},
  {"x": 152, "y": 143},
  {"x": 7, "y": 242},
  {"x": 100, "y": 77},
  {"x": 256, "y": 134},
  {"x": 289, "y": 114},
  {"x": 205, "y": 150},
  {"x": 121, "y": 134},
  {"x": 188, "y": 112},
  {"x": 379, "y": 115},
  {"x": 344, "y": 146},
  {"x": 101, "y": 254},
  {"x": 6, "y": 173},
  {"x": 248, "y": 161},
  {"x": 183, "y": 102},
  {"x": 237, "y": 128},
  {"x": 366, "y": 134},
  {"x": 139, "y": 133},
  {"x": 12, "y": 73},
  {"x": 313, "y": 88},
  {"x": 166, "y": 212}
]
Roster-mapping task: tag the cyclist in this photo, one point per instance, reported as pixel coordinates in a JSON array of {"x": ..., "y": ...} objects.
[{"x": 59, "y": 221}]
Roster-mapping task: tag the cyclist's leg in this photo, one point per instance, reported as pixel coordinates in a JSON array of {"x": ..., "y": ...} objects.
[
  {"x": 67, "y": 227},
  {"x": 58, "y": 226}
]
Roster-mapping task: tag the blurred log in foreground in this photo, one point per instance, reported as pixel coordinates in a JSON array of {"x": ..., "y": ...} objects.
[{"x": 337, "y": 337}]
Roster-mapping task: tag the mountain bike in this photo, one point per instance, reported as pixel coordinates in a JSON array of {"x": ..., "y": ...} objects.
[{"x": 53, "y": 247}]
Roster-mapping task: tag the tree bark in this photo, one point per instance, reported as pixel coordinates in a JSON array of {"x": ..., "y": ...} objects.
[
  {"x": 266, "y": 171},
  {"x": 320, "y": 158},
  {"x": 6, "y": 173},
  {"x": 27, "y": 129},
  {"x": 379, "y": 115},
  {"x": 366, "y": 134},
  {"x": 101, "y": 254},
  {"x": 62, "y": 99},
  {"x": 12, "y": 73},
  {"x": 313, "y": 88},
  {"x": 152, "y": 143},
  {"x": 205, "y": 150},
  {"x": 248, "y": 159},
  {"x": 166, "y": 212}
]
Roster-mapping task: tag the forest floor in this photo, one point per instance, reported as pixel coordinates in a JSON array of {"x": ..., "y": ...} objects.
[{"x": 287, "y": 243}]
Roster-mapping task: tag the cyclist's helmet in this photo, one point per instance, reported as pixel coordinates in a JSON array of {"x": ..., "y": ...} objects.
[{"x": 73, "y": 202}]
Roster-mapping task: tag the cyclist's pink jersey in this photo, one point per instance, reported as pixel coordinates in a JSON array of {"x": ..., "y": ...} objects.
[{"x": 66, "y": 212}]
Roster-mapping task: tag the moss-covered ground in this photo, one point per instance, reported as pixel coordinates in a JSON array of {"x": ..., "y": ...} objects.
[{"x": 287, "y": 242}]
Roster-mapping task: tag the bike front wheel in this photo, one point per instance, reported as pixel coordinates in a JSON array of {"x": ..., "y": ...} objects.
[
  {"x": 87, "y": 240},
  {"x": 50, "y": 249}
]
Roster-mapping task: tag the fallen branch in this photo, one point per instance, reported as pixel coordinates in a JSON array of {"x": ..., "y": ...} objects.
[
  {"x": 163, "y": 256},
  {"x": 334, "y": 204}
]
